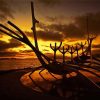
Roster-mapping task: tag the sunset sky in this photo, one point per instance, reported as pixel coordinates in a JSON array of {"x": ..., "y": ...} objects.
[{"x": 59, "y": 20}]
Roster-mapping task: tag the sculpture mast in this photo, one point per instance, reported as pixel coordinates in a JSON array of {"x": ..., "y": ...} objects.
[
  {"x": 34, "y": 21},
  {"x": 90, "y": 39},
  {"x": 87, "y": 28}
]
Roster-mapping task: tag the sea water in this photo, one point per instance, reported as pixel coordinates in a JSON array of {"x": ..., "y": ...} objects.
[{"x": 9, "y": 64}]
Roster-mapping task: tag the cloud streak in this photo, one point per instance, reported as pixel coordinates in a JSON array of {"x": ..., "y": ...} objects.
[
  {"x": 49, "y": 2},
  {"x": 4, "y": 46},
  {"x": 47, "y": 35},
  {"x": 5, "y": 10},
  {"x": 7, "y": 54},
  {"x": 75, "y": 30}
]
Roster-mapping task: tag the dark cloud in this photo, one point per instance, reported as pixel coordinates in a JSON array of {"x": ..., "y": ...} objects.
[
  {"x": 5, "y": 10},
  {"x": 63, "y": 7},
  {"x": 13, "y": 44},
  {"x": 71, "y": 6},
  {"x": 49, "y": 2},
  {"x": 59, "y": 19},
  {"x": 93, "y": 22},
  {"x": 4, "y": 46},
  {"x": 77, "y": 29},
  {"x": 47, "y": 35},
  {"x": 72, "y": 31},
  {"x": 67, "y": 1},
  {"x": 63, "y": 31},
  {"x": 7, "y": 54},
  {"x": 52, "y": 19},
  {"x": 26, "y": 51}
]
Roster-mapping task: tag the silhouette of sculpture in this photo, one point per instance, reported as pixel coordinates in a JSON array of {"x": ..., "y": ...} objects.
[
  {"x": 51, "y": 65},
  {"x": 82, "y": 46},
  {"x": 55, "y": 48},
  {"x": 90, "y": 39},
  {"x": 76, "y": 48},
  {"x": 71, "y": 51},
  {"x": 34, "y": 21},
  {"x": 64, "y": 51}
]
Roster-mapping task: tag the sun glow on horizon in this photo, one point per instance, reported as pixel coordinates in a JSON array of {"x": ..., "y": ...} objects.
[{"x": 44, "y": 47}]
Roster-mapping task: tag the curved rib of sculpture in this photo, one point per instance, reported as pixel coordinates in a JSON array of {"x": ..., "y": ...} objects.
[{"x": 34, "y": 21}]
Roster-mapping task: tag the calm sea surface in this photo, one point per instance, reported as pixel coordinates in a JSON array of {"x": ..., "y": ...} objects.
[{"x": 18, "y": 63}]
